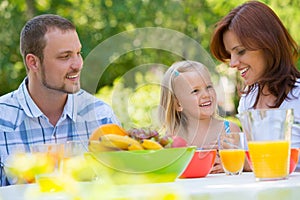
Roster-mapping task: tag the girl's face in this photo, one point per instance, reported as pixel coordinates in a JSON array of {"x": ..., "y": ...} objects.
[
  {"x": 251, "y": 64},
  {"x": 195, "y": 94}
]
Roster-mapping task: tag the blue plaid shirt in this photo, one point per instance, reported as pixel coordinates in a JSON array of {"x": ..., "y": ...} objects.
[{"x": 22, "y": 123}]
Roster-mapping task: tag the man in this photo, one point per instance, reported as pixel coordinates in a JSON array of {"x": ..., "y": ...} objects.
[{"x": 49, "y": 106}]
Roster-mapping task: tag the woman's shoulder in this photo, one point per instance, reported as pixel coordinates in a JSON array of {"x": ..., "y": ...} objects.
[
  {"x": 247, "y": 100},
  {"x": 296, "y": 90},
  {"x": 294, "y": 94}
]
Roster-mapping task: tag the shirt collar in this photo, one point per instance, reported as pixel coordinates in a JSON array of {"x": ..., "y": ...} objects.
[
  {"x": 70, "y": 108},
  {"x": 32, "y": 110}
]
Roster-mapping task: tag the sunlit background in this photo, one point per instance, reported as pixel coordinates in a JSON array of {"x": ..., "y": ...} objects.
[{"x": 132, "y": 91}]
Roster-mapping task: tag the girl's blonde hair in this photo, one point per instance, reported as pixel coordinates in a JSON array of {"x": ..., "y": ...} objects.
[{"x": 170, "y": 117}]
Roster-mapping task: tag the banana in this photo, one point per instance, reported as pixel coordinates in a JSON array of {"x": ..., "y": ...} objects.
[
  {"x": 135, "y": 146},
  {"x": 96, "y": 146},
  {"x": 150, "y": 144},
  {"x": 107, "y": 129},
  {"x": 117, "y": 141}
]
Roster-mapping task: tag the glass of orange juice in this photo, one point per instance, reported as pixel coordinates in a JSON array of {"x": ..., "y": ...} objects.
[
  {"x": 54, "y": 153},
  {"x": 232, "y": 152},
  {"x": 269, "y": 133}
]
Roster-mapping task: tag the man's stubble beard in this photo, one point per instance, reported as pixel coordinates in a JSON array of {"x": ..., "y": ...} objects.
[{"x": 62, "y": 88}]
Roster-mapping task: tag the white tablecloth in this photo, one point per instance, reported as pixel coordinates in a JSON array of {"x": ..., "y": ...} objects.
[{"x": 212, "y": 187}]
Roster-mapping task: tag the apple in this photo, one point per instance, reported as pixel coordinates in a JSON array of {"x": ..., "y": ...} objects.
[{"x": 178, "y": 142}]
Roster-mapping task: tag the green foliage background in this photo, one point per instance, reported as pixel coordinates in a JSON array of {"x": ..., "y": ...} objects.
[{"x": 97, "y": 20}]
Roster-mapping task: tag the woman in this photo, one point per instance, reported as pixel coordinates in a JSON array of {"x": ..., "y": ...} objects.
[{"x": 252, "y": 39}]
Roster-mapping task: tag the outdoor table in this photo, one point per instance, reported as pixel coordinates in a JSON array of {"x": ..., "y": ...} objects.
[{"x": 214, "y": 186}]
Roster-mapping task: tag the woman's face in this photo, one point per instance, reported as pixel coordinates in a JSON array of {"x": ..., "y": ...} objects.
[
  {"x": 195, "y": 94},
  {"x": 251, "y": 64}
]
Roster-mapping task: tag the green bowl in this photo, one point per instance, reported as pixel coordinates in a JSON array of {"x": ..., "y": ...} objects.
[{"x": 143, "y": 166}]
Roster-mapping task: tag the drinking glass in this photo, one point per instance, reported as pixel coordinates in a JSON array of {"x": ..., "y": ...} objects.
[
  {"x": 269, "y": 133},
  {"x": 54, "y": 152},
  {"x": 52, "y": 180},
  {"x": 16, "y": 173},
  {"x": 74, "y": 162},
  {"x": 232, "y": 152}
]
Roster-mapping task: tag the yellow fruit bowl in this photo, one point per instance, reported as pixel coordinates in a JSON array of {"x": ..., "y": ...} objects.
[{"x": 141, "y": 166}]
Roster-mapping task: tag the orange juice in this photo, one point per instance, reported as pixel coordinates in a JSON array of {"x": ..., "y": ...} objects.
[
  {"x": 53, "y": 152},
  {"x": 50, "y": 183},
  {"x": 232, "y": 159},
  {"x": 270, "y": 159}
]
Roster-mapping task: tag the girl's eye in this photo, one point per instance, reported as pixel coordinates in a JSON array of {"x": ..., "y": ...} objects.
[
  {"x": 195, "y": 91},
  {"x": 209, "y": 87}
]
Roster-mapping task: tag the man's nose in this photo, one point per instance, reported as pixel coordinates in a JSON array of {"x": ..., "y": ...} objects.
[{"x": 77, "y": 62}]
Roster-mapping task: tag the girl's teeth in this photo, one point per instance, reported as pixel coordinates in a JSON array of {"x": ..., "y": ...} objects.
[{"x": 205, "y": 104}]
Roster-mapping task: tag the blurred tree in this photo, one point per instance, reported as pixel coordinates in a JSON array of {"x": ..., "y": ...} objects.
[
  {"x": 99, "y": 20},
  {"x": 11, "y": 66}
]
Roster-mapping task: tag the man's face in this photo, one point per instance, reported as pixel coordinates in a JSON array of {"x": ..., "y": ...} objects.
[{"x": 60, "y": 69}]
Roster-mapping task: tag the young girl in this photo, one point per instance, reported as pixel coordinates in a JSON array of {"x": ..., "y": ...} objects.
[{"x": 188, "y": 106}]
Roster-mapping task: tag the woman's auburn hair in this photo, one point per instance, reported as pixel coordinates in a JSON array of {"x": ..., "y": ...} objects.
[{"x": 259, "y": 28}]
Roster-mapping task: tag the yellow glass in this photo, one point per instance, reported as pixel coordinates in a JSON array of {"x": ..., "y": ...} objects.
[
  {"x": 53, "y": 151},
  {"x": 269, "y": 136},
  {"x": 269, "y": 159},
  {"x": 232, "y": 160},
  {"x": 232, "y": 152}
]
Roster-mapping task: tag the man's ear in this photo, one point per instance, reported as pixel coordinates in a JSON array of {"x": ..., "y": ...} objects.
[
  {"x": 32, "y": 62},
  {"x": 178, "y": 106}
]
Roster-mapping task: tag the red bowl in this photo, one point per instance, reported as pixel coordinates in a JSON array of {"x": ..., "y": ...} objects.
[
  {"x": 200, "y": 164},
  {"x": 248, "y": 159},
  {"x": 293, "y": 159}
]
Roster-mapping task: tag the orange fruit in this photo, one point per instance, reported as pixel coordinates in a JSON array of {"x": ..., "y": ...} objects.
[{"x": 107, "y": 129}]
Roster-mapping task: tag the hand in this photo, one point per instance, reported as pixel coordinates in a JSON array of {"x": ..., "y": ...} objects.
[
  {"x": 217, "y": 168},
  {"x": 247, "y": 167}
]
